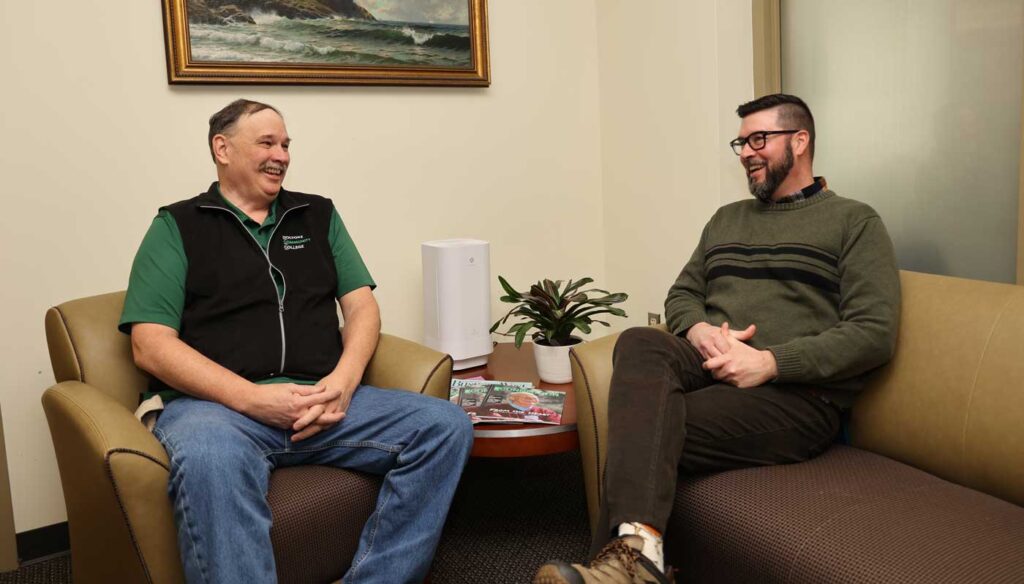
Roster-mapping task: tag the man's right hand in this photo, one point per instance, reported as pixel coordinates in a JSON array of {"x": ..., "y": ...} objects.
[
  {"x": 281, "y": 404},
  {"x": 711, "y": 341},
  {"x": 158, "y": 351}
]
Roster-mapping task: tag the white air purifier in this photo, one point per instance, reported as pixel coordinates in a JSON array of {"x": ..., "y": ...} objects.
[{"x": 457, "y": 299}]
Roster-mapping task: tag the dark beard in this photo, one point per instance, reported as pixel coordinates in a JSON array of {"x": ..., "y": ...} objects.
[{"x": 773, "y": 177}]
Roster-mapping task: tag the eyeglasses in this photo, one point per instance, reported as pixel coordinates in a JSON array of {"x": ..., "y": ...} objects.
[{"x": 756, "y": 140}]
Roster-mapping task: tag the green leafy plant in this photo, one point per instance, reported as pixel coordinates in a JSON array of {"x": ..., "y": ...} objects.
[{"x": 556, "y": 311}]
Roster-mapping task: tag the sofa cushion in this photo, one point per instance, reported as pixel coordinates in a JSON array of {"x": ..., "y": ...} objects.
[
  {"x": 846, "y": 516},
  {"x": 318, "y": 514}
]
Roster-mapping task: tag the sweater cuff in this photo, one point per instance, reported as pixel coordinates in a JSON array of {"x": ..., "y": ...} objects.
[
  {"x": 788, "y": 362},
  {"x": 687, "y": 321}
]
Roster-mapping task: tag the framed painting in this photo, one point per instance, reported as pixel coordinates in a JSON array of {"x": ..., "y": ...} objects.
[{"x": 342, "y": 42}]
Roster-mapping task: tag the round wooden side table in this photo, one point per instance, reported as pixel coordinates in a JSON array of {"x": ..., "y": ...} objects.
[{"x": 507, "y": 363}]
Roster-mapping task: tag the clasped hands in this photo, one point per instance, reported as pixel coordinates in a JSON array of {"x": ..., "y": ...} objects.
[
  {"x": 729, "y": 358},
  {"x": 305, "y": 409}
]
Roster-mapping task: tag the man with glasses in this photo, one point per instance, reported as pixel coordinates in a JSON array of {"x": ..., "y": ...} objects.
[{"x": 787, "y": 303}]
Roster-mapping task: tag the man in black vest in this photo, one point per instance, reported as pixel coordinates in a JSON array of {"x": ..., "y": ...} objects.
[{"x": 230, "y": 307}]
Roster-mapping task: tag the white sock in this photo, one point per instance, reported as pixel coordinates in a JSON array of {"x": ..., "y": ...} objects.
[{"x": 653, "y": 549}]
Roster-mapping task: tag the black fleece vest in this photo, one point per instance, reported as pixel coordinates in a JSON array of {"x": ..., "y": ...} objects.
[{"x": 232, "y": 314}]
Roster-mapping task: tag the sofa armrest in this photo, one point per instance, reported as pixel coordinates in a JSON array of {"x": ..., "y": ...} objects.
[
  {"x": 591, "y": 376},
  {"x": 114, "y": 475},
  {"x": 402, "y": 364}
]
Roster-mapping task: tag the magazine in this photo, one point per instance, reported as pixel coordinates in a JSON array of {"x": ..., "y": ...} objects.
[{"x": 507, "y": 402}]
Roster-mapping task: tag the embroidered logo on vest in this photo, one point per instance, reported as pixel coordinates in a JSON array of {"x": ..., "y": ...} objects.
[{"x": 295, "y": 241}]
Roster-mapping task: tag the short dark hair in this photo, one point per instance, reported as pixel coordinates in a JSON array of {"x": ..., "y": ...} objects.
[
  {"x": 793, "y": 113},
  {"x": 223, "y": 121}
]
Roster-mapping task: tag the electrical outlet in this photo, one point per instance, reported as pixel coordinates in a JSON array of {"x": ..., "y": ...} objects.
[{"x": 653, "y": 318}]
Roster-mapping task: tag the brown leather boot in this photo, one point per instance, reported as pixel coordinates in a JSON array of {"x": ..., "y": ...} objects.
[{"x": 620, "y": 562}]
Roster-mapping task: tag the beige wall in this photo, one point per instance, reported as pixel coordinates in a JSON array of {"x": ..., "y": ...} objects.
[
  {"x": 671, "y": 78},
  {"x": 567, "y": 172}
]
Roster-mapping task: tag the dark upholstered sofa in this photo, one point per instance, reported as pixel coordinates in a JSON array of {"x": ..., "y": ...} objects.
[{"x": 930, "y": 488}]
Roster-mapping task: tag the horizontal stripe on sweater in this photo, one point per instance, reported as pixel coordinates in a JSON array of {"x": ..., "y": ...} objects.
[
  {"x": 774, "y": 273},
  {"x": 780, "y": 249}
]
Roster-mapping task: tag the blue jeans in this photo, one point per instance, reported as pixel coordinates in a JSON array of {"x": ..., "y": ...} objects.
[{"x": 221, "y": 462}]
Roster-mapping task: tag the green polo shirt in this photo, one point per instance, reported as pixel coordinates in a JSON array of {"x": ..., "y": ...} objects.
[{"x": 156, "y": 286}]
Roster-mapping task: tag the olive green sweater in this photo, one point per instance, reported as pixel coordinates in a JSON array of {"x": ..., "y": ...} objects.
[{"x": 818, "y": 277}]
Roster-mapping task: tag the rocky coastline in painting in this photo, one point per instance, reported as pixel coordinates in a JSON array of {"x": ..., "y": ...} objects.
[
  {"x": 332, "y": 32},
  {"x": 239, "y": 11}
]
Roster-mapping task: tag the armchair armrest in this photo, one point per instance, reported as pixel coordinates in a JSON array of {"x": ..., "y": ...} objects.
[
  {"x": 402, "y": 364},
  {"x": 114, "y": 474}
]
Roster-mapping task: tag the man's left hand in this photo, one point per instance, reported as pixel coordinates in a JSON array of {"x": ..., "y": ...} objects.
[
  {"x": 322, "y": 416},
  {"x": 742, "y": 366}
]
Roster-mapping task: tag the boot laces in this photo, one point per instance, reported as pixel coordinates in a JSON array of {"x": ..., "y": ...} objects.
[{"x": 621, "y": 551}]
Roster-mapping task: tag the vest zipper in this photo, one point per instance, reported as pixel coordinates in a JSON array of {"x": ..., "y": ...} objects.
[{"x": 270, "y": 269}]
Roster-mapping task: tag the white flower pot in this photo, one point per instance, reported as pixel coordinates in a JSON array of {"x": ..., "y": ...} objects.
[{"x": 553, "y": 362}]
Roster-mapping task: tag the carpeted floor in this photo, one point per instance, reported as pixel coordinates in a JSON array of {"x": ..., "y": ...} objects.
[
  {"x": 508, "y": 517},
  {"x": 55, "y": 570}
]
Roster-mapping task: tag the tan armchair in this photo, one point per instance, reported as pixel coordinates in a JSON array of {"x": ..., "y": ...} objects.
[{"x": 114, "y": 472}]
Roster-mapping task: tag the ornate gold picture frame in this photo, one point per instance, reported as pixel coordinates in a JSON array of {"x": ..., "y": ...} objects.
[{"x": 339, "y": 42}]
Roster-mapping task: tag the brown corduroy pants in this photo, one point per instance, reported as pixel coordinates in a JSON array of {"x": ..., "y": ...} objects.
[{"x": 668, "y": 417}]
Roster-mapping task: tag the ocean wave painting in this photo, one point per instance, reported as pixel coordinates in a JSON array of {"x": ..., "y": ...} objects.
[
  {"x": 360, "y": 33},
  {"x": 329, "y": 42}
]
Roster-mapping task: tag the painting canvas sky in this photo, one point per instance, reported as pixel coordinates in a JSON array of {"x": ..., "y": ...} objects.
[{"x": 373, "y": 33}]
